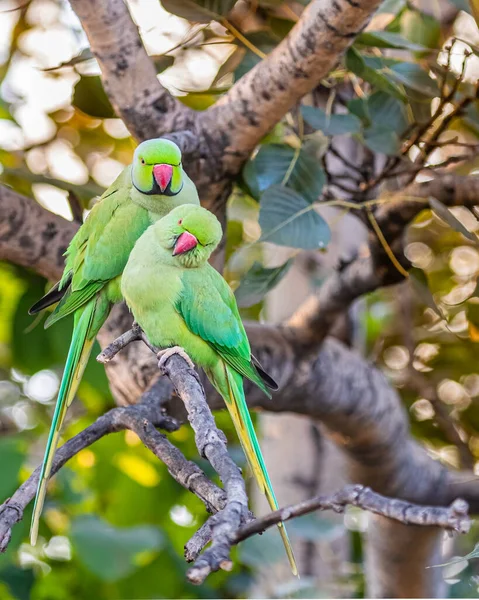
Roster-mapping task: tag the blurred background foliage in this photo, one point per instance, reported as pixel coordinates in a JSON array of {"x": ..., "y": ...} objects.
[{"x": 115, "y": 523}]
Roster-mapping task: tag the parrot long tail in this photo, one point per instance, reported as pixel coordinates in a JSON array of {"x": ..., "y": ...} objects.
[
  {"x": 233, "y": 395},
  {"x": 81, "y": 345}
]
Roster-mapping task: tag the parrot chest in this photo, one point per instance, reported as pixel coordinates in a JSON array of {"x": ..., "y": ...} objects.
[{"x": 152, "y": 293}]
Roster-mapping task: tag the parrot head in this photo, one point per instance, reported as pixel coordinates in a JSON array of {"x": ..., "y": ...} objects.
[
  {"x": 190, "y": 233},
  {"x": 157, "y": 169}
]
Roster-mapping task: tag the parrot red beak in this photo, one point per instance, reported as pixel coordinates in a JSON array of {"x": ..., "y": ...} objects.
[
  {"x": 184, "y": 243},
  {"x": 163, "y": 175}
]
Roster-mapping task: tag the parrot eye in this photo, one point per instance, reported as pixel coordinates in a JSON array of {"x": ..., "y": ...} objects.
[
  {"x": 142, "y": 160},
  {"x": 180, "y": 221}
]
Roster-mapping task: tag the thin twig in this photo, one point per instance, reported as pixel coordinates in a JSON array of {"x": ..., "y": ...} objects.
[
  {"x": 422, "y": 130},
  {"x": 384, "y": 243},
  {"x": 346, "y": 161},
  {"x": 142, "y": 418},
  {"x": 452, "y": 518},
  {"x": 76, "y": 207},
  {"x": 211, "y": 444}
]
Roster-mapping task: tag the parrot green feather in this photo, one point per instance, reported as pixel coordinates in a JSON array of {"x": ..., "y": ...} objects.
[
  {"x": 95, "y": 260},
  {"x": 179, "y": 299}
]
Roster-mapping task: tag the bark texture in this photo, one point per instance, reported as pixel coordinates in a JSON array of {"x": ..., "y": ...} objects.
[{"x": 319, "y": 376}]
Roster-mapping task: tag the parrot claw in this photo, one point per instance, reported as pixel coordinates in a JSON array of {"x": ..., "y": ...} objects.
[{"x": 164, "y": 355}]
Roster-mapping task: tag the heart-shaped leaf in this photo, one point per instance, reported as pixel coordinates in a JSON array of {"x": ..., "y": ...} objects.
[
  {"x": 278, "y": 163},
  {"x": 357, "y": 64},
  {"x": 111, "y": 552},
  {"x": 387, "y": 112},
  {"x": 421, "y": 28},
  {"x": 90, "y": 97},
  {"x": 287, "y": 219},
  {"x": 258, "y": 281},
  {"x": 382, "y": 140},
  {"x": 414, "y": 77},
  {"x": 330, "y": 124}
]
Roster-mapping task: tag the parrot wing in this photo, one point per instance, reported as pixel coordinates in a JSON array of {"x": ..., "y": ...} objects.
[
  {"x": 209, "y": 309},
  {"x": 99, "y": 251}
]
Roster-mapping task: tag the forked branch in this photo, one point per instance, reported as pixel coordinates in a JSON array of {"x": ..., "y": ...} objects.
[{"x": 231, "y": 522}]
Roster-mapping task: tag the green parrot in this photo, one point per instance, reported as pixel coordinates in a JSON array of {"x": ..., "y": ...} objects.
[
  {"x": 144, "y": 192},
  {"x": 179, "y": 299}
]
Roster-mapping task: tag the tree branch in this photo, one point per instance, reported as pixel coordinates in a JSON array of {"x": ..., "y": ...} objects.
[
  {"x": 354, "y": 401},
  {"x": 453, "y": 518},
  {"x": 31, "y": 236},
  {"x": 232, "y": 522},
  {"x": 267, "y": 92},
  {"x": 313, "y": 320},
  {"x": 143, "y": 418},
  {"x": 128, "y": 73},
  {"x": 211, "y": 444}
]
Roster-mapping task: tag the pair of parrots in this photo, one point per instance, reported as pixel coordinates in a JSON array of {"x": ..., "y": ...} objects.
[{"x": 148, "y": 241}]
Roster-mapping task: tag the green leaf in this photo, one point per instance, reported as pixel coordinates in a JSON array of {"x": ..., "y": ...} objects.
[
  {"x": 421, "y": 28},
  {"x": 356, "y": 63},
  {"x": 379, "y": 62},
  {"x": 447, "y": 216},
  {"x": 287, "y": 219},
  {"x": 382, "y": 140},
  {"x": 112, "y": 553},
  {"x": 387, "y": 39},
  {"x": 330, "y": 124},
  {"x": 473, "y": 554},
  {"x": 90, "y": 97},
  {"x": 414, "y": 77},
  {"x": 200, "y": 11},
  {"x": 273, "y": 162},
  {"x": 360, "y": 108},
  {"x": 19, "y": 580},
  {"x": 421, "y": 286},
  {"x": 387, "y": 112},
  {"x": 258, "y": 281}
]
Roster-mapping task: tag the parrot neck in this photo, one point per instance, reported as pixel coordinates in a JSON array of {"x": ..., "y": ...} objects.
[{"x": 158, "y": 206}]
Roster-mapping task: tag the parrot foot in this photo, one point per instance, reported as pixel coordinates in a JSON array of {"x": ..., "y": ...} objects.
[{"x": 164, "y": 355}]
